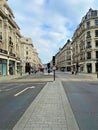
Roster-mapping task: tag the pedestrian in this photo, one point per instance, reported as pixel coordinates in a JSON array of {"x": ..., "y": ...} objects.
[{"x": 72, "y": 72}]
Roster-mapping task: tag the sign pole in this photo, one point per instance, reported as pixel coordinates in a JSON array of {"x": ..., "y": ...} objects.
[
  {"x": 54, "y": 68},
  {"x": 54, "y": 74}
]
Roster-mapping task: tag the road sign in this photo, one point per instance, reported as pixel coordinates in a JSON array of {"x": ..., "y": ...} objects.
[{"x": 54, "y": 68}]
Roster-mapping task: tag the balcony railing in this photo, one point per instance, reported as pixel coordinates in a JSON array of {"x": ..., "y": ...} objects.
[
  {"x": 11, "y": 54},
  {"x": 82, "y": 59},
  {"x": 88, "y": 46},
  {"x": 18, "y": 58},
  {"x": 89, "y": 57},
  {"x": 3, "y": 51},
  {"x": 88, "y": 36}
]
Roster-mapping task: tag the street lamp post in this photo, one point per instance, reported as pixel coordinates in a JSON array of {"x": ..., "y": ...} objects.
[{"x": 54, "y": 68}]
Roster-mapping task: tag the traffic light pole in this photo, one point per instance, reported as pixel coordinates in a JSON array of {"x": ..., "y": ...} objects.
[
  {"x": 54, "y": 74},
  {"x": 54, "y": 68}
]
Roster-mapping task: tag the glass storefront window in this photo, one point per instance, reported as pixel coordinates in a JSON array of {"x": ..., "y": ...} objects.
[
  {"x": 11, "y": 67},
  {"x": 0, "y": 69}
]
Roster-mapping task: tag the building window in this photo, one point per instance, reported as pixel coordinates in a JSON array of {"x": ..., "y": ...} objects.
[
  {"x": 10, "y": 41},
  {"x": 26, "y": 52},
  {"x": 26, "y": 57},
  {"x": 96, "y": 54},
  {"x": 88, "y": 24},
  {"x": 96, "y": 33},
  {"x": 88, "y": 55},
  {"x": 88, "y": 16},
  {"x": 88, "y": 45},
  {"x": 27, "y": 40},
  {"x": 96, "y": 43},
  {"x": 88, "y": 34},
  {"x": 11, "y": 51},
  {"x": 0, "y": 23},
  {"x": 96, "y": 66},
  {"x": 94, "y": 13},
  {"x": 89, "y": 67},
  {"x": 96, "y": 22},
  {"x": 10, "y": 29},
  {"x": 0, "y": 36}
]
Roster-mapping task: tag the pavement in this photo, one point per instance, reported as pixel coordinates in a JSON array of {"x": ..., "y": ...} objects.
[
  {"x": 11, "y": 77},
  {"x": 49, "y": 111},
  {"x": 48, "y": 77}
]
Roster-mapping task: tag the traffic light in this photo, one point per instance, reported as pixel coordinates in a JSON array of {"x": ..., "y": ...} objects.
[
  {"x": 53, "y": 60},
  {"x": 48, "y": 65}
]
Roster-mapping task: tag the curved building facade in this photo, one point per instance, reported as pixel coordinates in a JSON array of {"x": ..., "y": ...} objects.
[{"x": 85, "y": 44}]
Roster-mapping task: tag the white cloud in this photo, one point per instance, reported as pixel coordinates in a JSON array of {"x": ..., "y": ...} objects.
[
  {"x": 50, "y": 23},
  {"x": 39, "y": 2}
]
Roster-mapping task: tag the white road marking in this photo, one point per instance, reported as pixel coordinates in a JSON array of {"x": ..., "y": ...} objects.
[{"x": 17, "y": 94}]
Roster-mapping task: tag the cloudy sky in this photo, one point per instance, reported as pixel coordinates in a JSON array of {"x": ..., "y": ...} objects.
[{"x": 50, "y": 23}]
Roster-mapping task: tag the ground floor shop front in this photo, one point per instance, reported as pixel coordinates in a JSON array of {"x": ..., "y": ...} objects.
[
  {"x": 9, "y": 66},
  {"x": 86, "y": 67}
]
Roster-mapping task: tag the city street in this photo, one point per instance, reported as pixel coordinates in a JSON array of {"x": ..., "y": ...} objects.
[
  {"x": 14, "y": 100},
  {"x": 83, "y": 97},
  {"x": 17, "y": 94},
  {"x": 48, "y": 65}
]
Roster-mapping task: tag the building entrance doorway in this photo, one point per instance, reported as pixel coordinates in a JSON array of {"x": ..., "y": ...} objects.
[{"x": 89, "y": 68}]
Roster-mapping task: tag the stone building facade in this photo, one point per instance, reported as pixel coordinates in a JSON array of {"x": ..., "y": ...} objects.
[
  {"x": 63, "y": 57},
  {"x": 12, "y": 53},
  {"x": 9, "y": 41},
  {"x": 29, "y": 55},
  {"x": 82, "y": 53},
  {"x": 85, "y": 44}
]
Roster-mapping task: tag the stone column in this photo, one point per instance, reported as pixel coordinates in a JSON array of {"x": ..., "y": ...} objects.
[
  {"x": 8, "y": 66},
  {"x": 93, "y": 67},
  {"x": 85, "y": 68},
  {"x": 15, "y": 68}
]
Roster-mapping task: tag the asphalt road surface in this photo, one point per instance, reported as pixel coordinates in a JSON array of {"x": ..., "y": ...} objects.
[
  {"x": 83, "y": 97},
  {"x": 82, "y": 92},
  {"x": 15, "y": 98}
]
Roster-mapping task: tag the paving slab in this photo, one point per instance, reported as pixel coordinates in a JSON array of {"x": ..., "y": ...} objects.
[{"x": 49, "y": 111}]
